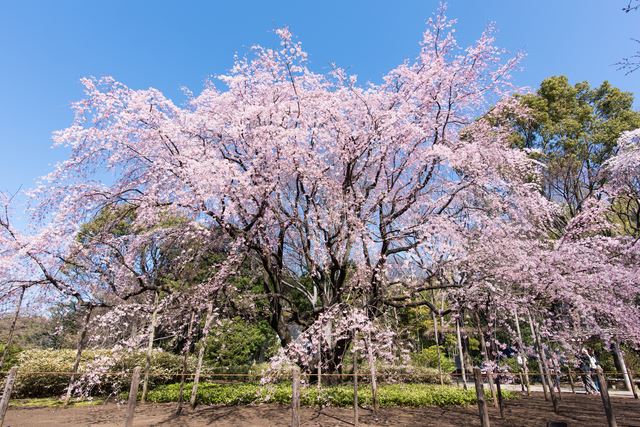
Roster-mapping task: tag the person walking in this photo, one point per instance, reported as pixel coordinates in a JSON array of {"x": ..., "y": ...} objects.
[
  {"x": 556, "y": 369},
  {"x": 584, "y": 360},
  {"x": 593, "y": 364}
]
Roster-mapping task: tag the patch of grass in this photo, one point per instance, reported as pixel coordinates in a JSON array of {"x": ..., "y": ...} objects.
[
  {"x": 388, "y": 395},
  {"x": 51, "y": 402}
]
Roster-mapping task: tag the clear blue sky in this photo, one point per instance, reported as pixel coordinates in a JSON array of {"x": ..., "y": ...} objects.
[{"x": 47, "y": 46}]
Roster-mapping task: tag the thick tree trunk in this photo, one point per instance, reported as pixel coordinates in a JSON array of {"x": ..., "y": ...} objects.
[
  {"x": 12, "y": 328},
  {"x": 203, "y": 346},
  {"x": 79, "y": 349},
  {"x": 152, "y": 337}
]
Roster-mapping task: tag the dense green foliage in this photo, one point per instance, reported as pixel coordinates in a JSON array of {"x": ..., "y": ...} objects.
[
  {"x": 237, "y": 342},
  {"x": 575, "y": 129},
  {"x": 12, "y": 356},
  {"x": 428, "y": 357},
  {"x": 342, "y": 395}
]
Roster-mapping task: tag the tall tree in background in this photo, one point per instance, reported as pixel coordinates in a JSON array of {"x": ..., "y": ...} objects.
[{"x": 574, "y": 129}]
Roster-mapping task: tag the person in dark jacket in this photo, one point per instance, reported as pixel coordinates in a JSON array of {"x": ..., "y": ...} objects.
[{"x": 584, "y": 360}]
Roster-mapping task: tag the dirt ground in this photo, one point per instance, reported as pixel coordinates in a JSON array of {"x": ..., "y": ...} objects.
[{"x": 576, "y": 410}]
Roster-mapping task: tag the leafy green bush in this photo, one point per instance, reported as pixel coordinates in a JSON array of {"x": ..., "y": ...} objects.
[
  {"x": 451, "y": 341},
  {"x": 428, "y": 357},
  {"x": 239, "y": 343},
  {"x": 512, "y": 364},
  {"x": 12, "y": 356},
  {"x": 44, "y": 373},
  {"x": 388, "y": 395}
]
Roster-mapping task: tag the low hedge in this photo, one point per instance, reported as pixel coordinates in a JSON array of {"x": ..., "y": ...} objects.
[
  {"x": 44, "y": 373},
  {"x": 406, "y": 374},
  {"x": 414, "y": 395}
]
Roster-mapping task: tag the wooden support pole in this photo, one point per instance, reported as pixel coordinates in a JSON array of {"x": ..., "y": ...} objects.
[
  {"x": 461, "y": 354},
  {"x": 482, "y": 403},
  {"x": 355, "y": 388},
  {"x": 133, "y": 396},
  {"x": 573, "y": 387},
  {"x": 152, "y": 335},
  {"x": 435, "y": 331},
  {"x": 12, "y": 328},
  {"x": 499, "y": 392},
  {"x": 544, "y": 367},
  {"x": 522, "y": 354},
  {"x": 485, "y": 353},
  {"x": 606, "y": 401},
  {"x": 372, "y": 367},
  {"x": 547, "y": 375},
  {"x": 319, "y": 366},
  {"x": 623, "y": 365},
  {"x": 633, "y": 385},
  {"x": 8, "y": 387},
  {"x": 520, "y": 377},
  {"x": 185, "y": 361},
  {"x": 295, "y": 397},
  {"x": 79, "y": 348},
  {"x": 203, "y": 345},
  {"x": 538, "y": 358}
]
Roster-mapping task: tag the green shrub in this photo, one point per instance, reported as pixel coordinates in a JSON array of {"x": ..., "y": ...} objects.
[
  {"x": 44, "y": 373},
  {"x": 428, "y": 357},
  {"x": 37, "y": 375},
  {"x": 237, "y": 342},
  {"x": 512, "y": 364},
  {"x": 12, "y": 356},
  {"x": 388, "y": 395}
]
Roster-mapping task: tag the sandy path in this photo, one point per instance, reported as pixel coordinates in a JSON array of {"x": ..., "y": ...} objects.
[{"x": 576, "y": 410}]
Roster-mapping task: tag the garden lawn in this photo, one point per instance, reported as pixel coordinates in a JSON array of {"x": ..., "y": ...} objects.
[{"x": 52, "y": 402}]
